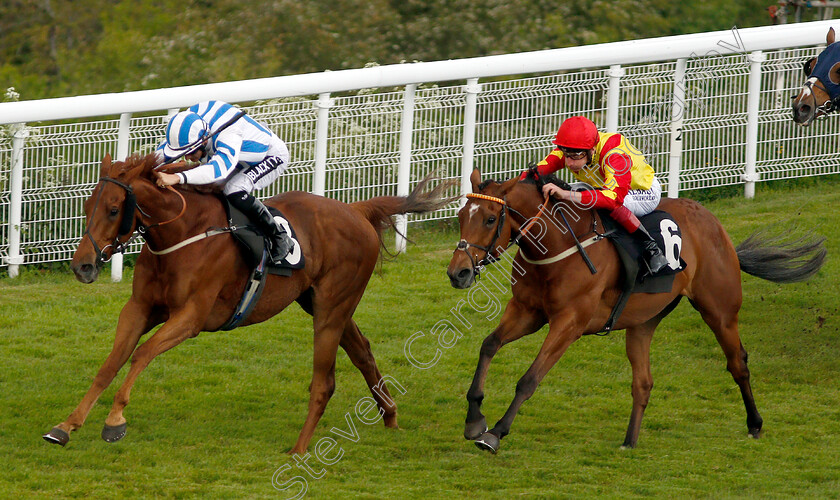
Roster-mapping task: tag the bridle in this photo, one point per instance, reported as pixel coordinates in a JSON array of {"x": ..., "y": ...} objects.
[
  {"x": 489, "y": 258},
  {"x": 130, "y": 208},
  {"x": 820, "y": 77},
  {"x": 831, "y": 104}
]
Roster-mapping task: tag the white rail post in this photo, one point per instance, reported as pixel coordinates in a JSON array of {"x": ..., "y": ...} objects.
[
  {"x": 472, "y": 88},
  {"x": 613, "y": 96},
  {"x": 753, "y": 101},
  {"x": 319, "y": 182},
  {"x": 404, "y": 172},
  {"x": 122, "y": 154},
  {"x": 15, "y": 259},
  {"x": 677, "y": 114}
]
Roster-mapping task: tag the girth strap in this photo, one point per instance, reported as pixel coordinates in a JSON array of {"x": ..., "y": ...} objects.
[{"x": 252, "y": 293}]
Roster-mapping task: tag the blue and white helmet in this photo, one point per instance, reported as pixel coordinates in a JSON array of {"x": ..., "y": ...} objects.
[{"x": 184, "y": 133}]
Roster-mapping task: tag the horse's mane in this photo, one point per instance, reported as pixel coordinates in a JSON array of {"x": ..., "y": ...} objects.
[
  {"x": 146, "y": 163},
  {"x": 487, "y": 182}
]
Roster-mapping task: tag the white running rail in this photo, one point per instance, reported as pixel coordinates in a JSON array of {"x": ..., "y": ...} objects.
[{"x": 709, "y": 109}]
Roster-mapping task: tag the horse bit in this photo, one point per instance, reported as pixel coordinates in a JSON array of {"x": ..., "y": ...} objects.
[{"x": 821, "y": 111}]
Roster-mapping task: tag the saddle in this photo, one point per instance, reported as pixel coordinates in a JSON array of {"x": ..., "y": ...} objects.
[
  {"x": 637, "y": 277},
  {"x": 254, "y": 246}
]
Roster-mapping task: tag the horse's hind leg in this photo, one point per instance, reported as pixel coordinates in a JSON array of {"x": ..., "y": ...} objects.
[
  {"x": 638, "y": 340},
  {"x": 331, "y": 314},
  {"x": 133, "y": 323},
  {"x": 357, "y": 347},
  {"x": 637, "y": 344},
  {"x": 517, "y": 321},
  {"x": 722, "y": 318}
]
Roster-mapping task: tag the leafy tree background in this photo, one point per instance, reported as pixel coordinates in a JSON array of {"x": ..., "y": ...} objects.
[{"x": 53, "y": 48}]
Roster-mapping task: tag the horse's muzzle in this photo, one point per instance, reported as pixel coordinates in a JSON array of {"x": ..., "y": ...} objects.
[
  {"x": 803, "y": 113},
  {"x": 461, "y": 278},
  {"x": 86, "y": 273}
]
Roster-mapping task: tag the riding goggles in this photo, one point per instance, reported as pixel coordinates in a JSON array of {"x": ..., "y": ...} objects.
[{"x": 574, "y": 154}]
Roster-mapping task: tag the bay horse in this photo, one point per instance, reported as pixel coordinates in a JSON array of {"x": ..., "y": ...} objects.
[
  {"x": 561, "y": 291},
  {"x": 198, "y": 287},
  {"x": 820, "y": 94}
]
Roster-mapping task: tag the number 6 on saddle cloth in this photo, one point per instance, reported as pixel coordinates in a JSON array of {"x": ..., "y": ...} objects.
[{"x": 666, "y": 232}]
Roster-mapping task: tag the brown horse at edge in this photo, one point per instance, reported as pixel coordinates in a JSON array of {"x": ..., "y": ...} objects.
[
  {"x": 198, "y": 287},
  {"x": 814, "y": 100},
  {"x": 574, "y": 302}
]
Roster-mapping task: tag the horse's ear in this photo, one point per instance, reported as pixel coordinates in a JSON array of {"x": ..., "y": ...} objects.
[
  {"x": 829, "y": 38},
  {"x": 475, "y": 179},
  {"x": 106, "y": 164}
]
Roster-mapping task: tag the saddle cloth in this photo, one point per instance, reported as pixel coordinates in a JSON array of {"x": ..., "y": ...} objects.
[
  {"x": 254, "y": 246},
  {"x": 666, "y": 232},
  {"x": 254, "y": 243}
]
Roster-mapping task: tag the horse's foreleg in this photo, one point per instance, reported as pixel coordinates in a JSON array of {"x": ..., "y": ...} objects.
[
  {"x": 637, "y": 345},
  {"x": 517, "y": 321},
  {"x": 179, "y": 327},
  {"x": 357, "y": 347},
  {"x": 133, "y": 323},
  {"x": 563, "y": 331}
]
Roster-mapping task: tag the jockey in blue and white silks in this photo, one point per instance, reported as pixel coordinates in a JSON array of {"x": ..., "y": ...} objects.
[{"x": 234, "y": 150}]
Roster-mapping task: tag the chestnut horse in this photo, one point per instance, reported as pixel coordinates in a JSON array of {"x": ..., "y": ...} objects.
[
  {"x": 820, "y": 94},
  {"x": 556, "y": 287},
  {"x": 197, "y": 287}
]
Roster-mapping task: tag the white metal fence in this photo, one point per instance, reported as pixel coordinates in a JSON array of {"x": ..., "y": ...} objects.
[{"x": 709, "y": 110}]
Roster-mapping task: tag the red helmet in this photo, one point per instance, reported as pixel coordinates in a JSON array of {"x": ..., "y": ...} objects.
[{"x": 577, "y": 132}]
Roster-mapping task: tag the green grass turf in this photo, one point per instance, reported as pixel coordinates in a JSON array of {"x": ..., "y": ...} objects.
[{"x": 214, "y": 417}]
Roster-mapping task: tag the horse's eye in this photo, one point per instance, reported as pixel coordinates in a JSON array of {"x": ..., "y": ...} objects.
[
  {"x": 491, "y": 220},
  {"x": 115, "y": 211}
]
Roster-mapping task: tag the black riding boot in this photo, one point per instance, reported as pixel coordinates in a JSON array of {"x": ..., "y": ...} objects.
[
  {"x": 656, "y": 261},
  {"x": 280, "y": 242}
]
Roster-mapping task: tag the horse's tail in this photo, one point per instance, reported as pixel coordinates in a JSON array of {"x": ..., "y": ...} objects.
[
  {"x": 378, "y": 210},
  {"x": 779, "y": 259}
]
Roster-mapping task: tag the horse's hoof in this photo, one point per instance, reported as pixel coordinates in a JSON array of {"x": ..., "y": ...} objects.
[
  {"x": 114, "y": 433},
  {"x": 56, "y": 436},
  {"x": 474, "y": 430},
  {"x": 489, "y": 442}
]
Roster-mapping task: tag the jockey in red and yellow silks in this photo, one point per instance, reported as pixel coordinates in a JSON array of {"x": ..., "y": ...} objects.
[
  {"x": 619, "y": 178},
  {"x": 616, "y": 168}
]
